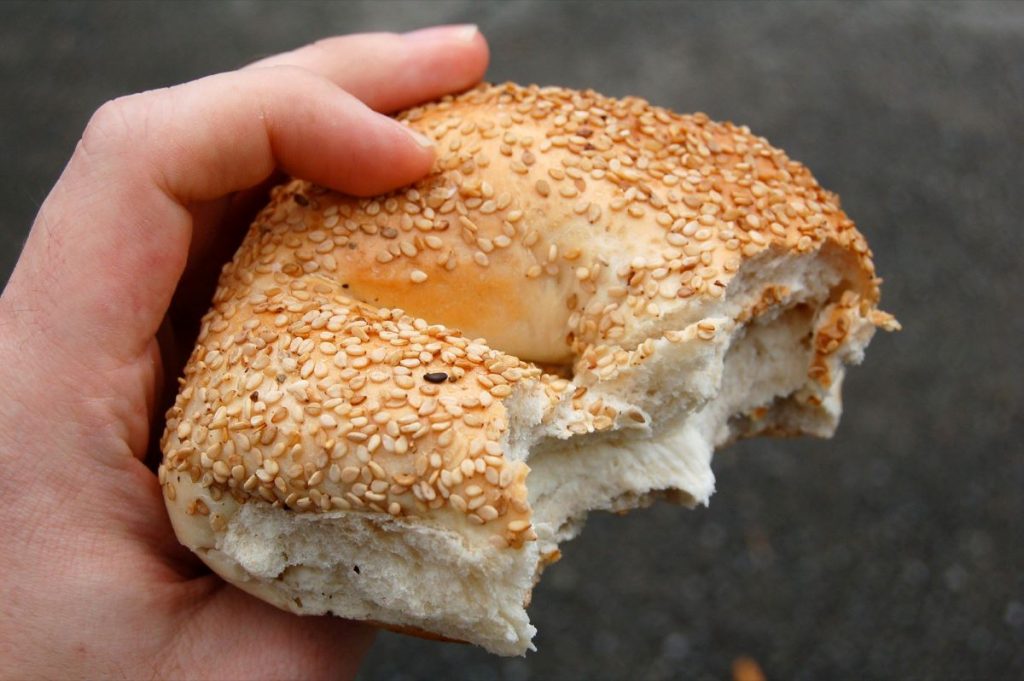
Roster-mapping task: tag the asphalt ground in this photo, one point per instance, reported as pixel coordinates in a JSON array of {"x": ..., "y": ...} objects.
[{"x": 894, "y": 550}]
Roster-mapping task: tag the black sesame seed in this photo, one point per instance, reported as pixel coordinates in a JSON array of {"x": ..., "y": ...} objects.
[
  {"x": 300, "y": 199},
  {"x": 355, "y": 569},
  {"x": 436, "y": 377}
]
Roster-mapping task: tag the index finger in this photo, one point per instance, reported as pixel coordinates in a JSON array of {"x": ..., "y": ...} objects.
[
  {"x": 390, "y": 71},
  {"x": 111, "y": 240}
]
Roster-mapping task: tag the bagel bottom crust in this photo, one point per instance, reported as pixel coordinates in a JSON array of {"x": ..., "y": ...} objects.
[{"x": 684, "y": 393}]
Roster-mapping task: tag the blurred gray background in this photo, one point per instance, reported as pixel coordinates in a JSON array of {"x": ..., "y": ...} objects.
[{"x": 896, "y": 549}]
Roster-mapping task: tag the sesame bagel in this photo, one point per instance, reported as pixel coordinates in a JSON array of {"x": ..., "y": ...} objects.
[{"x": 398, "y": 407}]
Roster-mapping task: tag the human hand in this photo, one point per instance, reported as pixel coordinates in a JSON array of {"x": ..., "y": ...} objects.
[{"x": 95, "y": 583}]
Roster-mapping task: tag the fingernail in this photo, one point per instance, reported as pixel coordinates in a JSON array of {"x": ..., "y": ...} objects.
[
  {"x": 460, "y": 32},
  {"x": 420, "y": 138},
  {"x": 467, "y": 32}
]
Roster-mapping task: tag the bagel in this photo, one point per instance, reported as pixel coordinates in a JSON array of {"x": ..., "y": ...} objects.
[{"x": 398, "y": 407}]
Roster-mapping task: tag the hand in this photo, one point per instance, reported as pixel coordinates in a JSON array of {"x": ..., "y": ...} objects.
[{"x": 94, "y": 582}]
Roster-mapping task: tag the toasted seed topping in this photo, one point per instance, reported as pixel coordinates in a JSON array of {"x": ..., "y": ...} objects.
[
  {"x": 355, "y": 431},
  {"x": 300, "y": 395}
]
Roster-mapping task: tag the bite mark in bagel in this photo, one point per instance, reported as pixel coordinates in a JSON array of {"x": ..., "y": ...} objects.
[{"x": 398, "y": 407}]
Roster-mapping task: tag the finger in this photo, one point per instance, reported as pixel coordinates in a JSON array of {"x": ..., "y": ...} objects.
[
  {"x": 392, "y": 71},
  {"x": 112, "y": 238},
  {"x": 224, "y": 133},
  {"x": 388, "y": 71}
]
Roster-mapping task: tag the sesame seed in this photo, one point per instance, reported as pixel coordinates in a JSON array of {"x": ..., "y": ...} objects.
[
  {"x": 418, "y": 276},
  {"x": 518, "y": 526},
  {"x": 487, "y": 512}
]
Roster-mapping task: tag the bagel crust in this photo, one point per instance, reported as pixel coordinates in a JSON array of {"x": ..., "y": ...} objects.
[{"x": 575, "y": 279}]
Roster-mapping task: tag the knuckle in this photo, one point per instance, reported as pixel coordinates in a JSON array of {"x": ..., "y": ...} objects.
[
  {"x": 114, "y": 124},
  {"x": 290, "y": 72},
  {"x": 286, "y": 77}
]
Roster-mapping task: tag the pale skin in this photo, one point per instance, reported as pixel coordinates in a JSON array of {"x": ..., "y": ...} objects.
[{"x": 94, "y": 583}]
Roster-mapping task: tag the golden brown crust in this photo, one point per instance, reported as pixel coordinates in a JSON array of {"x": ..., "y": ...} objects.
[
  {"x": 562, "y": 226},
  {"x": 413, "y": 631},
  {"x": 299, "y": 396}
]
